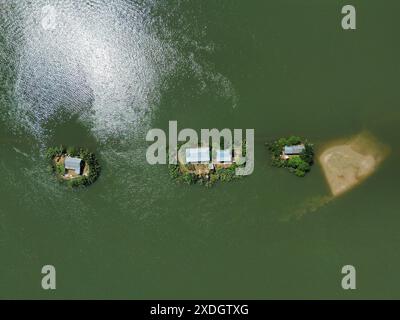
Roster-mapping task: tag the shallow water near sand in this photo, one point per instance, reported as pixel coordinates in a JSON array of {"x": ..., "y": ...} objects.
[{"x": 101, "y": 73}]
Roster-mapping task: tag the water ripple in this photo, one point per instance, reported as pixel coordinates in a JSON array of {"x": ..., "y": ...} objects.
[{"x": 98, "y": 59}]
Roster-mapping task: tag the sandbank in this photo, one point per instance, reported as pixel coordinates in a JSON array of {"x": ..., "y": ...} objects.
[{"x": 349, "y": 162}]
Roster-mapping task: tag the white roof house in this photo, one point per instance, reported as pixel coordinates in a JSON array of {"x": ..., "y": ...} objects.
[
  {"x": 73, "y": 164},
  {"x": 224, "y": 155},
  {"x": 196, "y": 155},
  {"x": 293, "y": 150}
]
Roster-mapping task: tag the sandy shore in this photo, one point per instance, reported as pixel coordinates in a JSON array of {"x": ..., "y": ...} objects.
[{"x": 348, "y": 163}]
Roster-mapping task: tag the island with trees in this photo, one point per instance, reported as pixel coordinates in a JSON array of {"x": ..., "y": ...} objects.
[
  {"x": 293, "y": 153},
  {"x": 77, "y": 167},
  {"x": 206, "y": 165}
]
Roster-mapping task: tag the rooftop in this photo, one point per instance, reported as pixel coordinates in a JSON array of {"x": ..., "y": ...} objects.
[
  {"x": 294, "y": 149},
  {"x": 224, "y": 155},
  {"x": 195, "y": 155},
  {"x": 73, "y": 164}
]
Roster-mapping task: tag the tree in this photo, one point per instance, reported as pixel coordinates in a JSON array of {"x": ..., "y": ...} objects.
[
  {"x": 293, "y": 140},
  {"x": 304, "y": 166},
  {"x": 189, "y": 178},
  {"x": 299, "y": 173},
  {"x": 71, "y": 151},
  {"x": 294, "y": 162},
  {"x": 308, "y": 154},
  {"x": 51, "y": 153},
  {"x": 60, "y": 169}
]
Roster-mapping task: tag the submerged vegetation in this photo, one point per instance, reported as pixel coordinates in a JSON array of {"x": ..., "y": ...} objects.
[
  {"x": 298, "y": 163},
  {"x": 90, "y": 166}
]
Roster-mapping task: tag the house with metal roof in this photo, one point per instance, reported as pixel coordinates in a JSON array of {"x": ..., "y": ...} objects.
[
  {"x": 289, "y": 151},
  {"x": 197, "y": 155},
  {"x": 73, "y": 164},
  {"x": 294, "y": 150},
  {"x": 224, "y": 156}
]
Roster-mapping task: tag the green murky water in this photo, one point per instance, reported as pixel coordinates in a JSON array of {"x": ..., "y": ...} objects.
[{"x": 101, "y": 73}]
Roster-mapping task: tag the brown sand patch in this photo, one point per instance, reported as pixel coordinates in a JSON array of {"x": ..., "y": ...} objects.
[{"x": 348, "y": 163}]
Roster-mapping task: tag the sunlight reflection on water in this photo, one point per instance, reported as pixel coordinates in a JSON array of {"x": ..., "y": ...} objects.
[
  {"x": 101, "y": 60},
  {"x": 96, "y": 58}
]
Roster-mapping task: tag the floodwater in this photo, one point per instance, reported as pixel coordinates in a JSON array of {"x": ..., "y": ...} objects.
[{"x": 100, "y": 74}]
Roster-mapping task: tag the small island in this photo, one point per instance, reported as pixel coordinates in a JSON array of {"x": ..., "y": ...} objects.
[
  {"x": 77, "y": 167},
  {"x": 206, "y": 166},
  {"x": 294, "y": 153}
]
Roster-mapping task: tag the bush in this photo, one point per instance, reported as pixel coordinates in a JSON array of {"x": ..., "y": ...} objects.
[
  {"x": 55, "y": 152},
  {"x": 299, "y": 173},
  {"x": 72, "y": 151},
  {"x": 293, "y": 140},
  {"x": 189, "y": 178},
  {"x": 213, "y": 178},
  {"x": 308, "y": 154},
  {"x": 293, "y": 162},
  {"x": 304, "y": 166},
  {"x": 60, "y": 169},
  {"x": 174, "y": 171}
]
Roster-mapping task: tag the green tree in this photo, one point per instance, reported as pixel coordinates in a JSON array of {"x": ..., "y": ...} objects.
[
  {"x": 189, "y": 178},
  {"x": 299, "y": 173},
  {"x": 72, "y": 151},
  {"x": 293, "y": 140},
  {"x": 60, "y": 169},
  {"x": 294, "y": 162},
  {"x": 304, "y": 166},
  {"x": 308, "y": 154}
]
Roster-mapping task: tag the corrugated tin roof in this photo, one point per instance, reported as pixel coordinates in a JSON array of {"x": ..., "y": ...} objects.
[
  {"x": 294, "y": 149},
  {"x": 73, "y": 164},
  {"x": 224, "y": 155},
  {"x": 197, "y": 155}
]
